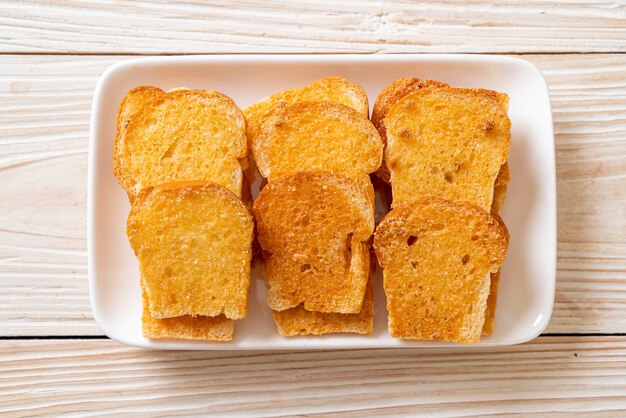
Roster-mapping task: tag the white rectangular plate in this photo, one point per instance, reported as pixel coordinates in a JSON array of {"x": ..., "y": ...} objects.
[{"x": 528, "y": 276}]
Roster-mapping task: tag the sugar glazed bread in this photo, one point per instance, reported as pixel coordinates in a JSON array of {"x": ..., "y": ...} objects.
[
  {"x": 176, "y": 136},
  {"x": 193, "y": 242},
  {"x": 437, "y": 257},
  {"x": 314, "y": 229},
  {"x": 448, "y": 142}
]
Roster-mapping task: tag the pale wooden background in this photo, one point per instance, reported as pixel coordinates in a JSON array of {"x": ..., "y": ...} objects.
[{"x": 53, "y": 357}]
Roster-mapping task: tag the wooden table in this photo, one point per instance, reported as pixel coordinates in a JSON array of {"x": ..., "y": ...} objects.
[{"x": 53, "y": 357}]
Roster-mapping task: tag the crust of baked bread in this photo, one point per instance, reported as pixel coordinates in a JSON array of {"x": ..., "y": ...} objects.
[
  {"x": 193, "y": 241},
  {"x": 315, "y": 229},
  {"x": 437, "y": 256},
  {"x": 177, "y": 136}
]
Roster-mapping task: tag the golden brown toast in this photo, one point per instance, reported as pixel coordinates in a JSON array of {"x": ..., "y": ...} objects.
[
  {"x": 393, "y": 92},
  {"x": 328, "y": 89},
  {"x": 447, "y": 142},
  {"x": 317, "y": 136},
  {"x": 437, "y": 256},
  {"x": 193, "y": 242},
  {"x": 314, "y": 229},
  {"x": 176, "y": 136},
  {"x": 299, "y": 321},
  {"x": 211, "y": 328}
]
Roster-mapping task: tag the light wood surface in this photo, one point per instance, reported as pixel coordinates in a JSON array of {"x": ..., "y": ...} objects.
[
  {"x": 51, "y": 55},
  {"x": 549, "y": 375},
  {"x": 197, "y": 26}
]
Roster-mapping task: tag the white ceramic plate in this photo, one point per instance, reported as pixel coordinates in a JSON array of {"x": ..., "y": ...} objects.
[{"x": 528, "y": 275}]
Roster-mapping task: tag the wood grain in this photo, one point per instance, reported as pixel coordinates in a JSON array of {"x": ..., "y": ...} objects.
[
  {"x": 44, "y": 116},
  {"x": 156, "y": 27},
  {"x": 84, "y": 378}
]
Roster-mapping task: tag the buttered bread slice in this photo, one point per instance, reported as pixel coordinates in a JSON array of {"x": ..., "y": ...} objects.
[
  {"x": 437, "y": 256},
  {"x": 447, "y": 142},
  {"x": 317, "y": 136},
  {"x": 193, "y": 242},
  {"x": 176, "y": 136},
  {"x": 314, "y": 229},
  {"x": 328, "y": 89}
]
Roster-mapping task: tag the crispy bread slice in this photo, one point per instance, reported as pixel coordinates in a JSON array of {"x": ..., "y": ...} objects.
[
  {"x": 180, "y": 135},
  {"x": 317, "y": 136},
  {"x": 328, "y": 89},
  {"x": 447, "y": 142},
  {"x": 211, "y": 328},
  {"x": 314, "y": 229},
  {"x": 393, "y": 92},
  {"x": 299, "y": 321},
  {"x": 436, "y": 257},
  {"x": 193, "y": 242}
]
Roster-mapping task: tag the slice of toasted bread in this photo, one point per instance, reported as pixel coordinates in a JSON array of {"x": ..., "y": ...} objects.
[
  {"x": 193, "y": 242},
  {"x": 436, "y": 256},
  {"x": 211, "y": 328},
  {"x": 393, "y": 92},
  {"x": 299, "y": 321},
  {"x": 317, "y": 136},
  {"x": 314, "y": 229},
  {"x": 180, "y": 135},
  {"x": 328, "y": 89},
  {"x": 447, "y": 142}
]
